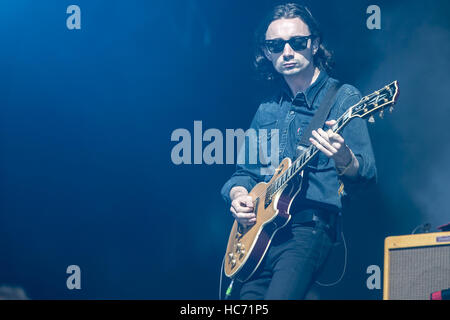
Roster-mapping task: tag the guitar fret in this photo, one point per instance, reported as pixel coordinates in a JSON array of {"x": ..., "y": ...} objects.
[
  {"x": 302, "y": 159},
  {"x": 289, "y": 172},
  {"x": 308, "y": 153}
]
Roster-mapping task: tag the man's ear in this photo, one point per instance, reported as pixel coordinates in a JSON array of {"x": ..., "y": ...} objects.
[
  {"x": 315, "y": 45},
  {"x": 267, "y": 53}
]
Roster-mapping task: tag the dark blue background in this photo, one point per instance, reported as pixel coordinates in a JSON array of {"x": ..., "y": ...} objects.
[{"x": 86, "y": 116}]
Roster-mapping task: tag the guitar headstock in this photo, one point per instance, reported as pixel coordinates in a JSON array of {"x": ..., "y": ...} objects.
[{"x": 377, "y": 102}]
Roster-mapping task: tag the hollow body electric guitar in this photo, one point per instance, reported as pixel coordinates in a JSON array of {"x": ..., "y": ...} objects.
[{"x": 247, "y": 246}]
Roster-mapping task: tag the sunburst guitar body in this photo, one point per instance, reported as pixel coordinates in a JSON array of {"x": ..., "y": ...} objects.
[{"x": 248, "y": 245}]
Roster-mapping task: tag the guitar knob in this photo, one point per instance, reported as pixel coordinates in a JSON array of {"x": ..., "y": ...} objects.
[
  {"x": 371, "y": 119},
  {"x": 391, "y": 109},
  {"x": 381, "y": 114}
]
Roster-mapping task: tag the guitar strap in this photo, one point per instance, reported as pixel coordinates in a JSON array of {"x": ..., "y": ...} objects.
[
  {"x": 321, "y": 114},
  {"x": 318, "y": 121}
]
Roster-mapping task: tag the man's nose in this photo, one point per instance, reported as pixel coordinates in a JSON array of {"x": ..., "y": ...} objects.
[{"x": 288, "y": 52}]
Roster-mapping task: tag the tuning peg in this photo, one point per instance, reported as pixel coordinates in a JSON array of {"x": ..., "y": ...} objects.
[
  {"x": 381, "y": 113},
  {"x": 371, "y": 119},
  {"x": 391, "y": 108}
]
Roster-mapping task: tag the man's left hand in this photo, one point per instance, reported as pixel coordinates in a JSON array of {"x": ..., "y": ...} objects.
[{"x": 332, "y": 145}]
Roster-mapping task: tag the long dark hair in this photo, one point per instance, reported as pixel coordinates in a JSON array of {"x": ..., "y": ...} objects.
[{"x": 323, "y": 57}]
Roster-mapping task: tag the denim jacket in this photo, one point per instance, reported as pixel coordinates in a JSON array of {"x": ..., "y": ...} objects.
[{"x": 321, "y": 181}]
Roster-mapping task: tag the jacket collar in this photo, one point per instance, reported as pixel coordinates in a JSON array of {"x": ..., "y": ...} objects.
[{"x": 304, "y": 98}]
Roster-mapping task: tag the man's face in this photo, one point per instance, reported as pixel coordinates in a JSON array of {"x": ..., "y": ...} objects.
[{"x": 289, "y": 62}]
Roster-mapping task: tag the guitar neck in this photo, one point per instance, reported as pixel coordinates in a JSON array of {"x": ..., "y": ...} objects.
[{"x": 374, "y": 102}]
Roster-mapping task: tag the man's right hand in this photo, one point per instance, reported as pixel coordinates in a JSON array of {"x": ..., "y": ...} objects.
[{"x": 242, "y": 206}]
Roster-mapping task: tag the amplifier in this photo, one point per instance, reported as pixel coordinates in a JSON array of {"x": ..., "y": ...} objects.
[{"x": 416, "y": 266}]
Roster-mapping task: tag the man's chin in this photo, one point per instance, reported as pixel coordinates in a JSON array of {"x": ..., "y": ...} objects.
[{"x": 291, "y": 72}]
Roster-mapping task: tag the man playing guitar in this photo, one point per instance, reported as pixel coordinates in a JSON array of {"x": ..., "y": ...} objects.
[{"x": 292, "y": 56}]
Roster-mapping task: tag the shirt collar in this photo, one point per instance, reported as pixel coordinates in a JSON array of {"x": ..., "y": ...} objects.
[{"x": 304, "y": 98}]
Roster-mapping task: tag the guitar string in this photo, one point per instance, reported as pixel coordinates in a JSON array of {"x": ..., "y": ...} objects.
[
  {"x": 366, "y": 99},
  {"x": 314, "y": 152}
]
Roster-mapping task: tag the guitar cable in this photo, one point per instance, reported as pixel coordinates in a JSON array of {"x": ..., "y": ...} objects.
[
  {"x": 221, "y": 276},
  {"x": 230, "y": 287},
  {"x": 343, "y": 269}
]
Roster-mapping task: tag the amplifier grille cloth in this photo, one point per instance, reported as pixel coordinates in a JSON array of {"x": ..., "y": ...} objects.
[{"x": 416, "y": 272}]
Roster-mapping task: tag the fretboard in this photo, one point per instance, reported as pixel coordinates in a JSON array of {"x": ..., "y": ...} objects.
[{"x": 305, "y": 157}]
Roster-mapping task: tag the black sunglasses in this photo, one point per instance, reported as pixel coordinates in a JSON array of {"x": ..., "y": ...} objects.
[{"x": 297, "y": 43}]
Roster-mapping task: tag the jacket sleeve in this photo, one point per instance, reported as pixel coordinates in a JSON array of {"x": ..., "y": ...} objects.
[
  {"x": 248, "y": 173},
  {"x": 356, "y": 136}
]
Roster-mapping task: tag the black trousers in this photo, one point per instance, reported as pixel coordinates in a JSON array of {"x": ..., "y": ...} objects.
[{"x": 291, "y": 264}]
